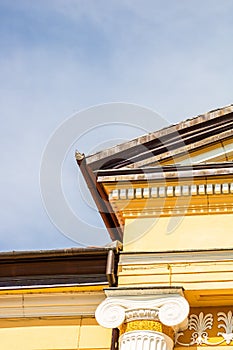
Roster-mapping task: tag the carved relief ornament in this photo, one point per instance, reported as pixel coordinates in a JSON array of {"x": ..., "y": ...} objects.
[{"x": 201, "y": 323}]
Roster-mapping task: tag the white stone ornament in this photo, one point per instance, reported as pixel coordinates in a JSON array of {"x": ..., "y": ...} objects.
[
  {"x": 171, "y": 311},
  {"x": 227, "y": 325},
  {"x": 110, "y": 314},
  {"x": 201, "y": 323},
  {"x": 141, "y": 314},
  {"x": 174, "y": 312}
]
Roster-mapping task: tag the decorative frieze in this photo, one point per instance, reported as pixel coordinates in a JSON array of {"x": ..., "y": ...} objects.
[
  {"x": 141, "y": 314},
  {"x": 146, "y": 325},
  {"x": 201, "y": 323},
  {"x": 170, "y": 191},
  {"x": 227, "y": 325}
]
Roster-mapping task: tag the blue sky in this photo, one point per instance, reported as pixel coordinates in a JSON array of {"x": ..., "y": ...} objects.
[{"x": 59, "y": 57}]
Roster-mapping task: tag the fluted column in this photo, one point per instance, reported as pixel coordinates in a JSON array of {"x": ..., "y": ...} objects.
[
  {"x": 145, "y": 340},
  {"x": 146, "y": 318}
]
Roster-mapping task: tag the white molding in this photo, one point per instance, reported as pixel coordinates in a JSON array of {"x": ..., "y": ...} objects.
[
  {"x": 142, "y": 258},
  {"x": 67, "y": 304},
  {"x": 148, "y": 293}
]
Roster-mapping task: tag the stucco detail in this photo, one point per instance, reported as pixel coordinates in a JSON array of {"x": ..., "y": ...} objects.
[{"x": 171, "y": 311}]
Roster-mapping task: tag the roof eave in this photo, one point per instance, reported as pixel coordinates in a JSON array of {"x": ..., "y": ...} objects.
[{"x": 101, "y": 199}]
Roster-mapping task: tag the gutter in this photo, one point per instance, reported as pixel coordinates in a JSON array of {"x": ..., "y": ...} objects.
[
  {"x": 100, "y": 198},
  {"x": 111, "y": 273},
  {"x": 112, "y": 263},
  {"x": 110, "y": 269}
]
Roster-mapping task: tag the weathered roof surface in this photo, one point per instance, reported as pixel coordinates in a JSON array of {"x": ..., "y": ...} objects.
[
  {"x": 74, "y": 266},
  {"x": 56, "y": 253},
  {"x": 177, "y": 139}
]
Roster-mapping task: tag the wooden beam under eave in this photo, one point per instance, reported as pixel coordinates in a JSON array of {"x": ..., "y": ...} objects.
[{"x": 101, "y": 199}]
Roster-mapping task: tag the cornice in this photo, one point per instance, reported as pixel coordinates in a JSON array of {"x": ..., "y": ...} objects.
[
  {"x": 146, "y": 291},
  {"x": 140, "y": 258},
  {"x": 174, "y": 197},
  {"x": 69, "y": 304}
]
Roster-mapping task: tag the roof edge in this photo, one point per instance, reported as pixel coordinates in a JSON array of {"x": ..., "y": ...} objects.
[{"x": 213, "y": 114}]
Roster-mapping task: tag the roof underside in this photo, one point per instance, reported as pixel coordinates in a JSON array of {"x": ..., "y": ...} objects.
[{"x": 166, "y": 172}]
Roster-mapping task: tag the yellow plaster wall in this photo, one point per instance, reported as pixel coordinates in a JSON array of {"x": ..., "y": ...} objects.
[
  {"x": 81, "y": 334},
  {"x": 52, "y": 319},
  {"x": 191, "y": 276},
  {"x": 39, "y": 338},
  {"x": 93, "y": 336},
  {"x": 179, "y": 233}
]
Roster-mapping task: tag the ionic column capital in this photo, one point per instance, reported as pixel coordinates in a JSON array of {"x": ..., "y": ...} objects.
[{"x": 169, "y": 309}]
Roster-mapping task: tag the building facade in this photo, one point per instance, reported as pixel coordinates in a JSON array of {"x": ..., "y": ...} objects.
[
  {"x": 170, "y": 193},
  {"x": 48, "y": 298},
  {"x": 166, "y": 199}
]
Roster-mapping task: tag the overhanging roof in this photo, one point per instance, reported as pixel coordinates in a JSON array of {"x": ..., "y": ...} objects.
[
  {"x": 148, "y": 158},
  {"x": 73, "y": 266},
  {"x": 169, "y": 142}
]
